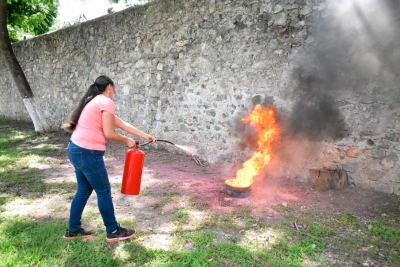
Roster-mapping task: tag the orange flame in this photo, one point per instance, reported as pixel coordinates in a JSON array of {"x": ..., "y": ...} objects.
[{"x": 265, "y": 124}]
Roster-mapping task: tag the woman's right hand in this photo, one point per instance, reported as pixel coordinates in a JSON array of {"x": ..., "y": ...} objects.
[{"x": 131, "y": 143}]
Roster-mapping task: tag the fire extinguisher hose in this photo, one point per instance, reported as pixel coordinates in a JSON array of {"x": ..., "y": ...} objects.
[{"x": 159, "y": 140}]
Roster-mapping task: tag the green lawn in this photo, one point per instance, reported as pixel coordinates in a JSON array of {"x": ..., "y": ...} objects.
[{"x": 37, "y": 241}]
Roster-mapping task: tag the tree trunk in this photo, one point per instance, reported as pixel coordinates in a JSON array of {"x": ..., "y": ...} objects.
[
  {"x": 328, "y": 180},
  {"x": 7, "y": 58}
]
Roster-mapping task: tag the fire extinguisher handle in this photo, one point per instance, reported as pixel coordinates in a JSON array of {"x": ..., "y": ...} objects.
[{"x": 137, "y": 142}]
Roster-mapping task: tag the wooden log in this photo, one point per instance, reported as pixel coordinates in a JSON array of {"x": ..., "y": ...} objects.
[{"x": 328, "y": 179}]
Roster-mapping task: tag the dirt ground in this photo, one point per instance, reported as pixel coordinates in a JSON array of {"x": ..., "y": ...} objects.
[
  {"x": 177, "y": 175},
  {"x": 166, "y": 171}
]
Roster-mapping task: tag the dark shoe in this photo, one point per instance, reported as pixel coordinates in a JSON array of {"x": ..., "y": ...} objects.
[
  {"x": 120, "y": 234},
  {"x": 78, "y": 233}
]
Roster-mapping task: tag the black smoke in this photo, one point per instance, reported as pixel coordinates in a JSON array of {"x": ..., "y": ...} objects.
[
  {"x": 316, "y": 113},
  {"x": 352, "y": 48}
]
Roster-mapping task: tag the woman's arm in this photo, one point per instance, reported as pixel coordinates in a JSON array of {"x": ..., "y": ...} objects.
[
  {"x": 109, "y": 123},
  {"x": 127, "y": 127}
]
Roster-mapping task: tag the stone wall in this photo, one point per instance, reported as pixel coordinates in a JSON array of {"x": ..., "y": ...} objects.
[{"x": 188, "y": 70}]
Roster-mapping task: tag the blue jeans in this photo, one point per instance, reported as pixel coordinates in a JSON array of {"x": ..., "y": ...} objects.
[{"x": 91, "y": 174}]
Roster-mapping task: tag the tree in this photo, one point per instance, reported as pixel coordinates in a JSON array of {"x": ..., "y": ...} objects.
[
  {"x": 17, "y": 17},
  {"x": 129, "y": 3},
  {"x": 32, "y": 17}
]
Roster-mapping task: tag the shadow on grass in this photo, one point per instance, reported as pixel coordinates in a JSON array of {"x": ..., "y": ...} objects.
[
  {"x": 34, "y": 191},
  {"x": 36, "y": 185},
  {"x": 23, "y": 176},
  {"x": 26, "y": 242}
]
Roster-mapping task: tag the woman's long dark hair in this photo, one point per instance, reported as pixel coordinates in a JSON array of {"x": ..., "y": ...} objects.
[{"x": 98, "y": 86}]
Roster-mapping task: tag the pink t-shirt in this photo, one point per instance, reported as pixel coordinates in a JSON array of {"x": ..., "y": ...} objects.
[{"x": 89, "y": 130}]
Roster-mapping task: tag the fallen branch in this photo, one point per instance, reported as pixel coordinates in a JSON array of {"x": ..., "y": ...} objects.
[
  {"x": 295, "y": 224},
  {"x": 198, "y": 161},
  {"x": 298, "y": 230}
]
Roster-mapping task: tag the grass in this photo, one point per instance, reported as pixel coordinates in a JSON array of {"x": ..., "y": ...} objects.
[
  {"x": 168, "y": 197},
  {"x": 18, "y": 150},
  {"x": 38, "y": 243},
  {"x": 180, "y": 215},
  {"x": 234, "y": 238}
]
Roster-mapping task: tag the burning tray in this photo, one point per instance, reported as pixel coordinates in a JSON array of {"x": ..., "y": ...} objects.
[{"x": 238, "y": 192}]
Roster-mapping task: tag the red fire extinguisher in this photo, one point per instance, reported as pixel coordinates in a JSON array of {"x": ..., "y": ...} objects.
[{"x": 133, "y": 168}]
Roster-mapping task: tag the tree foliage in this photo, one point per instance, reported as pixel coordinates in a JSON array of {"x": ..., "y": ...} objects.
[
  {"x": 30, "y": 17},
  {"x": 129, "y": 3}
]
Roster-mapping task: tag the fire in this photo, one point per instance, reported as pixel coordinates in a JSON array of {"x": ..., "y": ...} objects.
[{"x": 265, "y": 124}]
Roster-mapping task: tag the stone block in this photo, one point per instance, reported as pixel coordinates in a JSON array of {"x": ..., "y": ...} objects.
[
  {"x": 390, "y": 161},
  {"x": 354, "y": 152},
  {"x": 374, "y": 174}
]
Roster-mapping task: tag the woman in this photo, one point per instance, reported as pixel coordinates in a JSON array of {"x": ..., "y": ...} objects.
[{"x": 92, "y": 123}]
